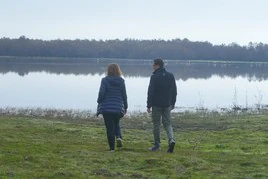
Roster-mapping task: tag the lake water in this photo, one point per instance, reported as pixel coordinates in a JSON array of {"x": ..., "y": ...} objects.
[{"x": 74, "y": 83}]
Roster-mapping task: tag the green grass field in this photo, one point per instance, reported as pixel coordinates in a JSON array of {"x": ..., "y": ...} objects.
[{"x": 207, "y": 146}]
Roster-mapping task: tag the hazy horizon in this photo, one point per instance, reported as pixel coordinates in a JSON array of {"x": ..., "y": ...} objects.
[
  {"x": 130, "y": 39},
  {"x": 218, "y": 22}
]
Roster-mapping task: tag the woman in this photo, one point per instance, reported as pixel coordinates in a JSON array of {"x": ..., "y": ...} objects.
[{"x": 112, "y": 103}]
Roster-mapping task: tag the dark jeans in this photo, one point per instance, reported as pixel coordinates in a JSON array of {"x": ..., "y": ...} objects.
[{"x": 113, "y": 130}]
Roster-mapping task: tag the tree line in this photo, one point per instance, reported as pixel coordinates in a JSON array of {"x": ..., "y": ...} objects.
[{"x": 175, "y": 49}]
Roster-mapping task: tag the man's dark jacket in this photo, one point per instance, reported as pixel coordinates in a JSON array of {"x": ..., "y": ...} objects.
[
  {"x": 112, "y": 96},
  {"x": 162, "y": 90}
]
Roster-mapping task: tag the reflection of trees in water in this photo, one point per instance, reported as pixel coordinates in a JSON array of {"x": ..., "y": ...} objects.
[{"x": 181, "y": 69}]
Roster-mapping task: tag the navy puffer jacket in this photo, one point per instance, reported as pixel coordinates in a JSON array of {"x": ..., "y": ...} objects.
[{"x": 112, "y": 96}]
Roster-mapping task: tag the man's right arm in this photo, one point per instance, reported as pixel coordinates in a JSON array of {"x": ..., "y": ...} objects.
[{"x": 174, "y": 92}]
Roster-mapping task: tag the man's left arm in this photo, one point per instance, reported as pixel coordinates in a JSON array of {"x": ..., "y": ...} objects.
[{"x": 150, "y": 95}]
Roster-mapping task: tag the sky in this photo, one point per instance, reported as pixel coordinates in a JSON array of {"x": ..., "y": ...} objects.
[{"x": 215, "y": 21}]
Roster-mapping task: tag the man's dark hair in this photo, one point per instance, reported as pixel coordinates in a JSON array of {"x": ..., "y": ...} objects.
[{"x": 159, "y": 62}]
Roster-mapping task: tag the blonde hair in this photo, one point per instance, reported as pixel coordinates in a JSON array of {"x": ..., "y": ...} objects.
[{"x": 114, "y": 70}]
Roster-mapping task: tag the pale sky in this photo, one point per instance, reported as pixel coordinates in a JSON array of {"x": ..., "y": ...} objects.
[{"x": 215, "y": 21}]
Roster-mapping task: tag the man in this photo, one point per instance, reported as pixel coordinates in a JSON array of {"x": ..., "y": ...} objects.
[{"x": 162, "y": 93}]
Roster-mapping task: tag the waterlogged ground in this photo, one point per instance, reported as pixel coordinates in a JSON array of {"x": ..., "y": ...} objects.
[{"x": 208, "y": 145}]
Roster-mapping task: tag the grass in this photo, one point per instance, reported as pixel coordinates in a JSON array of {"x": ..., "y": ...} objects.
[{"x": 207, "y": 146}]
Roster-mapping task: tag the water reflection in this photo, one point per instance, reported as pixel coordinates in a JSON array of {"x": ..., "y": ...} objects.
[
  {"x": 182, "y": 69},
  {"x": 50, "y": 83}
]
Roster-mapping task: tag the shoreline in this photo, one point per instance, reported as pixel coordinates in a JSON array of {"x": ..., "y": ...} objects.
[{"x": 86, "y": 114}]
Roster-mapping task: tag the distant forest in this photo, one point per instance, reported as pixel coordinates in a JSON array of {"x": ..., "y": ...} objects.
[{"x": 176, "y": 49}]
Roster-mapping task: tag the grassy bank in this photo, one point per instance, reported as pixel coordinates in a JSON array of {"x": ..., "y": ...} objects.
[{"x": 207, "y": 146}]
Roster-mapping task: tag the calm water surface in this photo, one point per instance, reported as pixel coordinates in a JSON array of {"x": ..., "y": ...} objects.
[{"x": 74, "y": 83}]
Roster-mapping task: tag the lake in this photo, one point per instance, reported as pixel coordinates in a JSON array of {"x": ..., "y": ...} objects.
[{"x": 73, "y": 83}]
